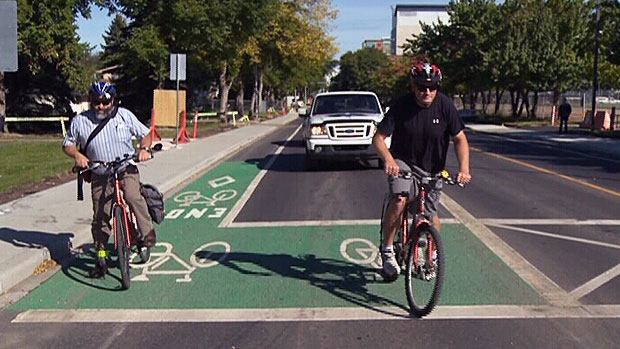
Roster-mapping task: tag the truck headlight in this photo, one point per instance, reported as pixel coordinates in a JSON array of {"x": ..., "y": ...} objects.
[{"x": 317, "y": 130}]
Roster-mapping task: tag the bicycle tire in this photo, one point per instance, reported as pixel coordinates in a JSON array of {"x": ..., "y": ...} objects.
[
  {"x": 424, "y": 285},
  {"x": 120, "y": 231}
]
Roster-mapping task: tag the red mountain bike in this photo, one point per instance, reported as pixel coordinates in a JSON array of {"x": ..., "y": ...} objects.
[
  {"x": 419, "y": 248},
  {"x": 124, "y": 223}
]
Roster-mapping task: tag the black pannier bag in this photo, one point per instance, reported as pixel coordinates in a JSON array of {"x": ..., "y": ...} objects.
[{"x": 154, "y": 200}]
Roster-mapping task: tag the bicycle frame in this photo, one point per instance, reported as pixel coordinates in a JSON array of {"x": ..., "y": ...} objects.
[
  {"x": 120, "y": 201},
  {"x": 421, "y": 219}
]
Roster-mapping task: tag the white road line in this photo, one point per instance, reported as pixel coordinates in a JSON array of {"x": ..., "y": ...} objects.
[
  {"x": 314, "y": 314},
  {"x": 546, "y": 287},
  {"x": 595, "y": 283},
  {"x": 557, "y": 236},
  {"x": 589, "y": 286},
  {"x": 248, "y": 193},
  {"x": 548, "y": 221},
  {"x": 318, "y": 223}
]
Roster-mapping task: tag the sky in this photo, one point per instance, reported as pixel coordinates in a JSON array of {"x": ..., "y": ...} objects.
[{"x": 358, "y": 20}]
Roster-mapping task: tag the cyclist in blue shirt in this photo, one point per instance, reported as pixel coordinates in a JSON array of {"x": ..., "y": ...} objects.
[
  {"x": 422, "y": 124},
  {"x": 112, "y": 142}
]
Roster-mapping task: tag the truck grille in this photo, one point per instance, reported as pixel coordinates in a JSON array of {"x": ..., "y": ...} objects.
[{"x": 349, "y": 131}]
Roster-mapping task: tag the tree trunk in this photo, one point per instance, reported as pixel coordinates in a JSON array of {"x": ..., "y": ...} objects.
[
  {"x": 224, "y": 89},
  {"x": 534, "y": 106},
  {"x": 239, "y": 101},
  {"x": 498, "y": 99},
  {"x": 258, "y": 90},
  {"x": 514, "y": 102}
]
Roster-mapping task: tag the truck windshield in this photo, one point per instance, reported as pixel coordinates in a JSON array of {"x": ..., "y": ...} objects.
[{"x": 346, "y": 104}]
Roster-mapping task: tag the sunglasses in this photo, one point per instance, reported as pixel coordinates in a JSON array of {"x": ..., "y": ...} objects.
[
  {"x": 423, "y": 88},
  {"x": 104, "y": 102}
]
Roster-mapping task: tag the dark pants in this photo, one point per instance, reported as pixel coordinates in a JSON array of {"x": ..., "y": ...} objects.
[{"x": 564, "y": 122}]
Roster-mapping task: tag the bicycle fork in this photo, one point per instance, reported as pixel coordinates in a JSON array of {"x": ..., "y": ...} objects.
[{"x": 128, "y": 216}]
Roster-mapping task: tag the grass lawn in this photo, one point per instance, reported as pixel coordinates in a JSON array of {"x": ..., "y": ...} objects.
[{"x": 31, "y": 159}]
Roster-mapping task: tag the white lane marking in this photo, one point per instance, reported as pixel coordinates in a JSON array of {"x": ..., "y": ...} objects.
[
  {"x": 595, "y": 283},
  {"x": 314, "y": 314},
  {"x": 318, "y": 223},
  {"x": 589, "y": 286},
  {"x": 557, "y": 236},
  {"x": 540, "y": 282},
  {"x": 548, "y": 221},
  {"x": 248, "y": 193}
]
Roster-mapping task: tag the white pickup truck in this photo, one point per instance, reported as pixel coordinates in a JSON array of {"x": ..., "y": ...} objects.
[{"x": 340, "y": 126}]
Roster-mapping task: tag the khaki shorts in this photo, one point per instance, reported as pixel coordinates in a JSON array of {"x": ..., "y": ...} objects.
[{"x": 410, "y": 187}]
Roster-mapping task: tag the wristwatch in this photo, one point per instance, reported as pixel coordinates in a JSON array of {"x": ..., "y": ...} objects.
[{"x": 145, "y": 148}]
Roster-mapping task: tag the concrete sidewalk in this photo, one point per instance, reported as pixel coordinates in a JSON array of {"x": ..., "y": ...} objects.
[{"x": 50, "y": 224}]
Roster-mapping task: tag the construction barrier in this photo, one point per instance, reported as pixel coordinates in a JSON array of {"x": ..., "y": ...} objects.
[
  {"x": 230, "y": 113},
  {"x": 154, "y": 134},
  {"x": 602, "y": 120},
  {"x": 62, "y": 120},
  {"x": 195, "y": 124},
  {"x": 182, "y": 137},
  {"x": 245, "y": 118}
]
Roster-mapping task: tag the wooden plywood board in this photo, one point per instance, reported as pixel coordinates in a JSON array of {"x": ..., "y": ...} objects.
[{"x": 165, "y": 106}]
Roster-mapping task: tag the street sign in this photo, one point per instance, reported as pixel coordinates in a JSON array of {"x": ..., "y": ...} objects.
[
  {"x": 8, "y": 36},
  {"x": 177, "y": 66}
]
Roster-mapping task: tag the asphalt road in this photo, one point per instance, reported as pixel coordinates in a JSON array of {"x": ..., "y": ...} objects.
[{"x": 546, "y": 217}]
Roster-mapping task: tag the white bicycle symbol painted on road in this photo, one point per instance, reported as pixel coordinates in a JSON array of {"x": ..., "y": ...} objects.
[
  {"x": 189, "y": 198},
  {"x": 199, "y": 259},
  {"x": 360, "y": 251},
  {"x": 355, "y": 250}
]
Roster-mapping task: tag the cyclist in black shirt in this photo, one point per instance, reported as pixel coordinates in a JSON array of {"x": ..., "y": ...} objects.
[{"x": 421, "y": 124}]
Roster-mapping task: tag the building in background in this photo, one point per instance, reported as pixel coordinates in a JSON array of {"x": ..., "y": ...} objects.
[
  {"x": 406, "y": 22},
  {"x": 383, "y": 44}
]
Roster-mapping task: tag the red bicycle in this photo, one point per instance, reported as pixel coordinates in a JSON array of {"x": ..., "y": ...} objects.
[
  {"x": 124, "y": 223},
  {"x": 419, "y": 248}
]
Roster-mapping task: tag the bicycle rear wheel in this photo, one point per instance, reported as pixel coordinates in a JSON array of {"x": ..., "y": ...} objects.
[
  {"x": 424, "y": 272},
  {"x": 120, "y": 230}
]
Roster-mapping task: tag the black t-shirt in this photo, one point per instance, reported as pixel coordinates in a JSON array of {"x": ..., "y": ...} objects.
[{"x": 421, "y": 136}]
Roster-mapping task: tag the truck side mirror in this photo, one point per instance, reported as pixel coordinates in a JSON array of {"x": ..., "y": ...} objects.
[{"x": 302, "y": 111}]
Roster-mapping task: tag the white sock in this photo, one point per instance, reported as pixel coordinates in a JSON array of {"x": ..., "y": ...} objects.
[{"x": 387, "y": 248}]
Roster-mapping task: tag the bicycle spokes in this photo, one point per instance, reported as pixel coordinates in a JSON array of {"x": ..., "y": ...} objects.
[{"x": 424, "y": 272}]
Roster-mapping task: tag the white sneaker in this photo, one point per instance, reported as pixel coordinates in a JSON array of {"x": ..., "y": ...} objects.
[{"x": 391, "y": 269}]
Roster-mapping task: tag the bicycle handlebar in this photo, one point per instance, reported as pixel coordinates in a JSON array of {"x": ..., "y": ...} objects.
[
  {"x": 444, "y": 175},
  {"x": 113, "y": 165}
]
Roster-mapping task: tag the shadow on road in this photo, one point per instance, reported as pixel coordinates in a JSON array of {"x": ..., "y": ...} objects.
[{"x": 342, "y": 279}]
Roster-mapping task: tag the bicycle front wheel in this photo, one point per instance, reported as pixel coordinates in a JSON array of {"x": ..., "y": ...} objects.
[
  {"x": 424, "y": 272},
  {"x": 120, "y": 231}
]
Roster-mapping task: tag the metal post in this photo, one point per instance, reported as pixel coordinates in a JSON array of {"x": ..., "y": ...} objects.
[
  {"x": 596, "y": 49},
  {"x": 176, "y": 141}
]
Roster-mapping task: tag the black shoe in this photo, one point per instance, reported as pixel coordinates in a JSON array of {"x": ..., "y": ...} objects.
[
  {"x": 150, "y": 239},
  {"x": 100, "y": 269}
]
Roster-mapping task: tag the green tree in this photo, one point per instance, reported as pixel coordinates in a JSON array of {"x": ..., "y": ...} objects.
[
  {"x": 358, "y": 69},
  {"x": 49, "y": 51}
]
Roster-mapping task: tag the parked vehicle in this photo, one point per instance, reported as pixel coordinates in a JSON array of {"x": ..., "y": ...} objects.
[{"x": 340, "y": 126}]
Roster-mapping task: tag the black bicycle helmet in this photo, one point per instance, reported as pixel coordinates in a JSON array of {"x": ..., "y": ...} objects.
[
  {"x": 102, "y": 90},
  {"x": 425, "y": 73}
]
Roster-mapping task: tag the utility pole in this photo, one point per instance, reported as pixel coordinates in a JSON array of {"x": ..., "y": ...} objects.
[{"x": 596, "y": 49}]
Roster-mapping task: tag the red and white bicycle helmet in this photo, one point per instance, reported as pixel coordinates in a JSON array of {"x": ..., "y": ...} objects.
[{"x": 425, "y": 73}]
